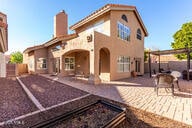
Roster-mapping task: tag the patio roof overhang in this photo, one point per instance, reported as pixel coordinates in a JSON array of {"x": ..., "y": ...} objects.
[
  {"x": 172, "y": 51},
  {"x": 51, "y": 42}
]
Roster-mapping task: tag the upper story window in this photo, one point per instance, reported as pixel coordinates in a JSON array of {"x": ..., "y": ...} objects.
[
  {"x": 1, "y": 19},
  {"x": 124, "y": 17},
  {"x": 41, "y": 63},
  {"x": 139, "y": 35},
  {"x": 123, "y": 31},
  {"x": 56, "y": 48}
]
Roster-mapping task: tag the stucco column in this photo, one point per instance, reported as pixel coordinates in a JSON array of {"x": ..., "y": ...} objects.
[
  {"x": 94, "y": 68},
  {"x": 2, "y": 65},
  {"x": 61, "y": 63}
]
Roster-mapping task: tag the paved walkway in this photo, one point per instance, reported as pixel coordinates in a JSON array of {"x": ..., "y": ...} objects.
[{"x": 139, "y": 92}]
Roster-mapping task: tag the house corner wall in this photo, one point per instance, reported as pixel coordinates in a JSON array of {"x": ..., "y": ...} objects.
[{"x": 2, "y": 65}]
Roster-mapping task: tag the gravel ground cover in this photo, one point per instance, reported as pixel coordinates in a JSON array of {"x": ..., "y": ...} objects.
[
  {"x": 13, "y": 100},
  {"x": 50, "y": 92},
  {"x": 135, "y": 118}
]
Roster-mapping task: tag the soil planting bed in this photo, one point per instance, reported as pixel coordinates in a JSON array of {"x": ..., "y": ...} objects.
[
  {"x": 99, "y": 114},
  {"x": 50, "y": 92},
  {"x": 13, "y": 100}
]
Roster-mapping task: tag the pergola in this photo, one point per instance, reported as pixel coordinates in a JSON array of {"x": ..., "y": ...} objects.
[{"x": 172, "y": 51}]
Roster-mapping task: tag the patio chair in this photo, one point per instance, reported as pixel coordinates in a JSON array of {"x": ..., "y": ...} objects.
[
  {"x": 176, "y": 74},
  {"x": 154, "y": 71},
  {"x": 165, "y": 81}
]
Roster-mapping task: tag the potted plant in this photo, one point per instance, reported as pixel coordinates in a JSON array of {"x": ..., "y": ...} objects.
[{"x": 133, "y": 73}]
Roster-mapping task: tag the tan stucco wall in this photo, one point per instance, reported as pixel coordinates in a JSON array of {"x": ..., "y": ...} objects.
[
  {"x": 41, "y": 53},
  {"x": 2, "y": 65},
  {"x": 87, "y": 54},
  {"x": 82, "y": 62},
  {"x": 117, "y": 47},
  {"x": 31, "y": 60},
  {"x": 51, "y": 55},
  {"x": 3, "y": 33},
  {"x": 133, "y": 48},
  {"x": 28, "y": 58}
]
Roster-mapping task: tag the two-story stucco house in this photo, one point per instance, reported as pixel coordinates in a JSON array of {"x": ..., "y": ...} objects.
[
  {"x": 106, "y": 45},
  {"x": 3, "y": 43}
]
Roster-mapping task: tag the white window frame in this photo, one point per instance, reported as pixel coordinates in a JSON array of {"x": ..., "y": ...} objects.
[
  {"x": 124, "y": 31},
  {"x": 122, "y": 63},
  {"x": 41, "y": 64},
  {"x": 68, "y": 68},
  {"x": 56, "y": 48},
  {"x": 139, "y": 34},
  {"x": 31, "y": 64}
]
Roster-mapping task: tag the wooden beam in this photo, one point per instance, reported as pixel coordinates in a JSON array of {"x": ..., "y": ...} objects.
[
  {"x": 188, "y": 64},
  {"x": 149, "y": 61},
  {"x": 159, "y": 63}
]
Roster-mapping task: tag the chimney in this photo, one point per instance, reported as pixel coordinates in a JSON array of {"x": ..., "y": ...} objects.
[{"x": 60, "y": 24}]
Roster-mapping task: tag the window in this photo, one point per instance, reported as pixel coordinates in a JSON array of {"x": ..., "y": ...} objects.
[
  {"x": 31, "y": 64},
  {"x": 41, "y": 63},
  {"x": 123, "y": 64},
  {"x": 56, "y": 48},
  {"x": 139, "y": 36},
  {"x": 124, "y": 18},
  {"x": 98, "y": 26},
  {"x": 123, "y": 31},
  {"x": 69, "y": 63}
]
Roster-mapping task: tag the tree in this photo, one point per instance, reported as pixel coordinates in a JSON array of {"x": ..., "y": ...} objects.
[
  {"x": 183, "y": 39},
  {"x": 16, "y": 57},
  {"x": 146, "y": 51}
]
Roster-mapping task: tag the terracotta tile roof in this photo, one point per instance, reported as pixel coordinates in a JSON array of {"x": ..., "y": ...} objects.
[
  {"x": 2, "y": 14},
  {"x": 4, "y": 25},
  {"x": 105, "y": 9},
  {"x": 29, "y": 49},
  {"x": 69, "y": 36},
  {"x": 51, "y": 42},
  {"x": 60, "y": 38}
]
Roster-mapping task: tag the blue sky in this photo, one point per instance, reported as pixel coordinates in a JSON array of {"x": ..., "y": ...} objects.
[{"x": 31, "y": 21}]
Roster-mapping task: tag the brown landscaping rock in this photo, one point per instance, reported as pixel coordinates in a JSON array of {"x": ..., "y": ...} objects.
[
  {"x": 49, "y": 92},
  {"x": 13, "y": 100}
]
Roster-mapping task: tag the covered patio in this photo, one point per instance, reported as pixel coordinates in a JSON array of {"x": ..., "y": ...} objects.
[{"x": 158, "y": 53}]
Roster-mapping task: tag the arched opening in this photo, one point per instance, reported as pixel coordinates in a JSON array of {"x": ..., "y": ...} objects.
[
  {"x": 124, "y": 17},
  {"x": 76, "y": 62},
  {"x": 104, "y": 64},
  {"x": 139, "y": 35}
]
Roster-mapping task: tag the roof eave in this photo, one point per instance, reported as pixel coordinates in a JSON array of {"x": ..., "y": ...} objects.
[
  {"x": 105, "y": 10},
  {"x": 86, "y": 20},
  {"x": 141, "y": 22},
  {"x": 61, "y": 38},
  {"x": 51, "y": 42},
  {"x": 33, "y": 48}
]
